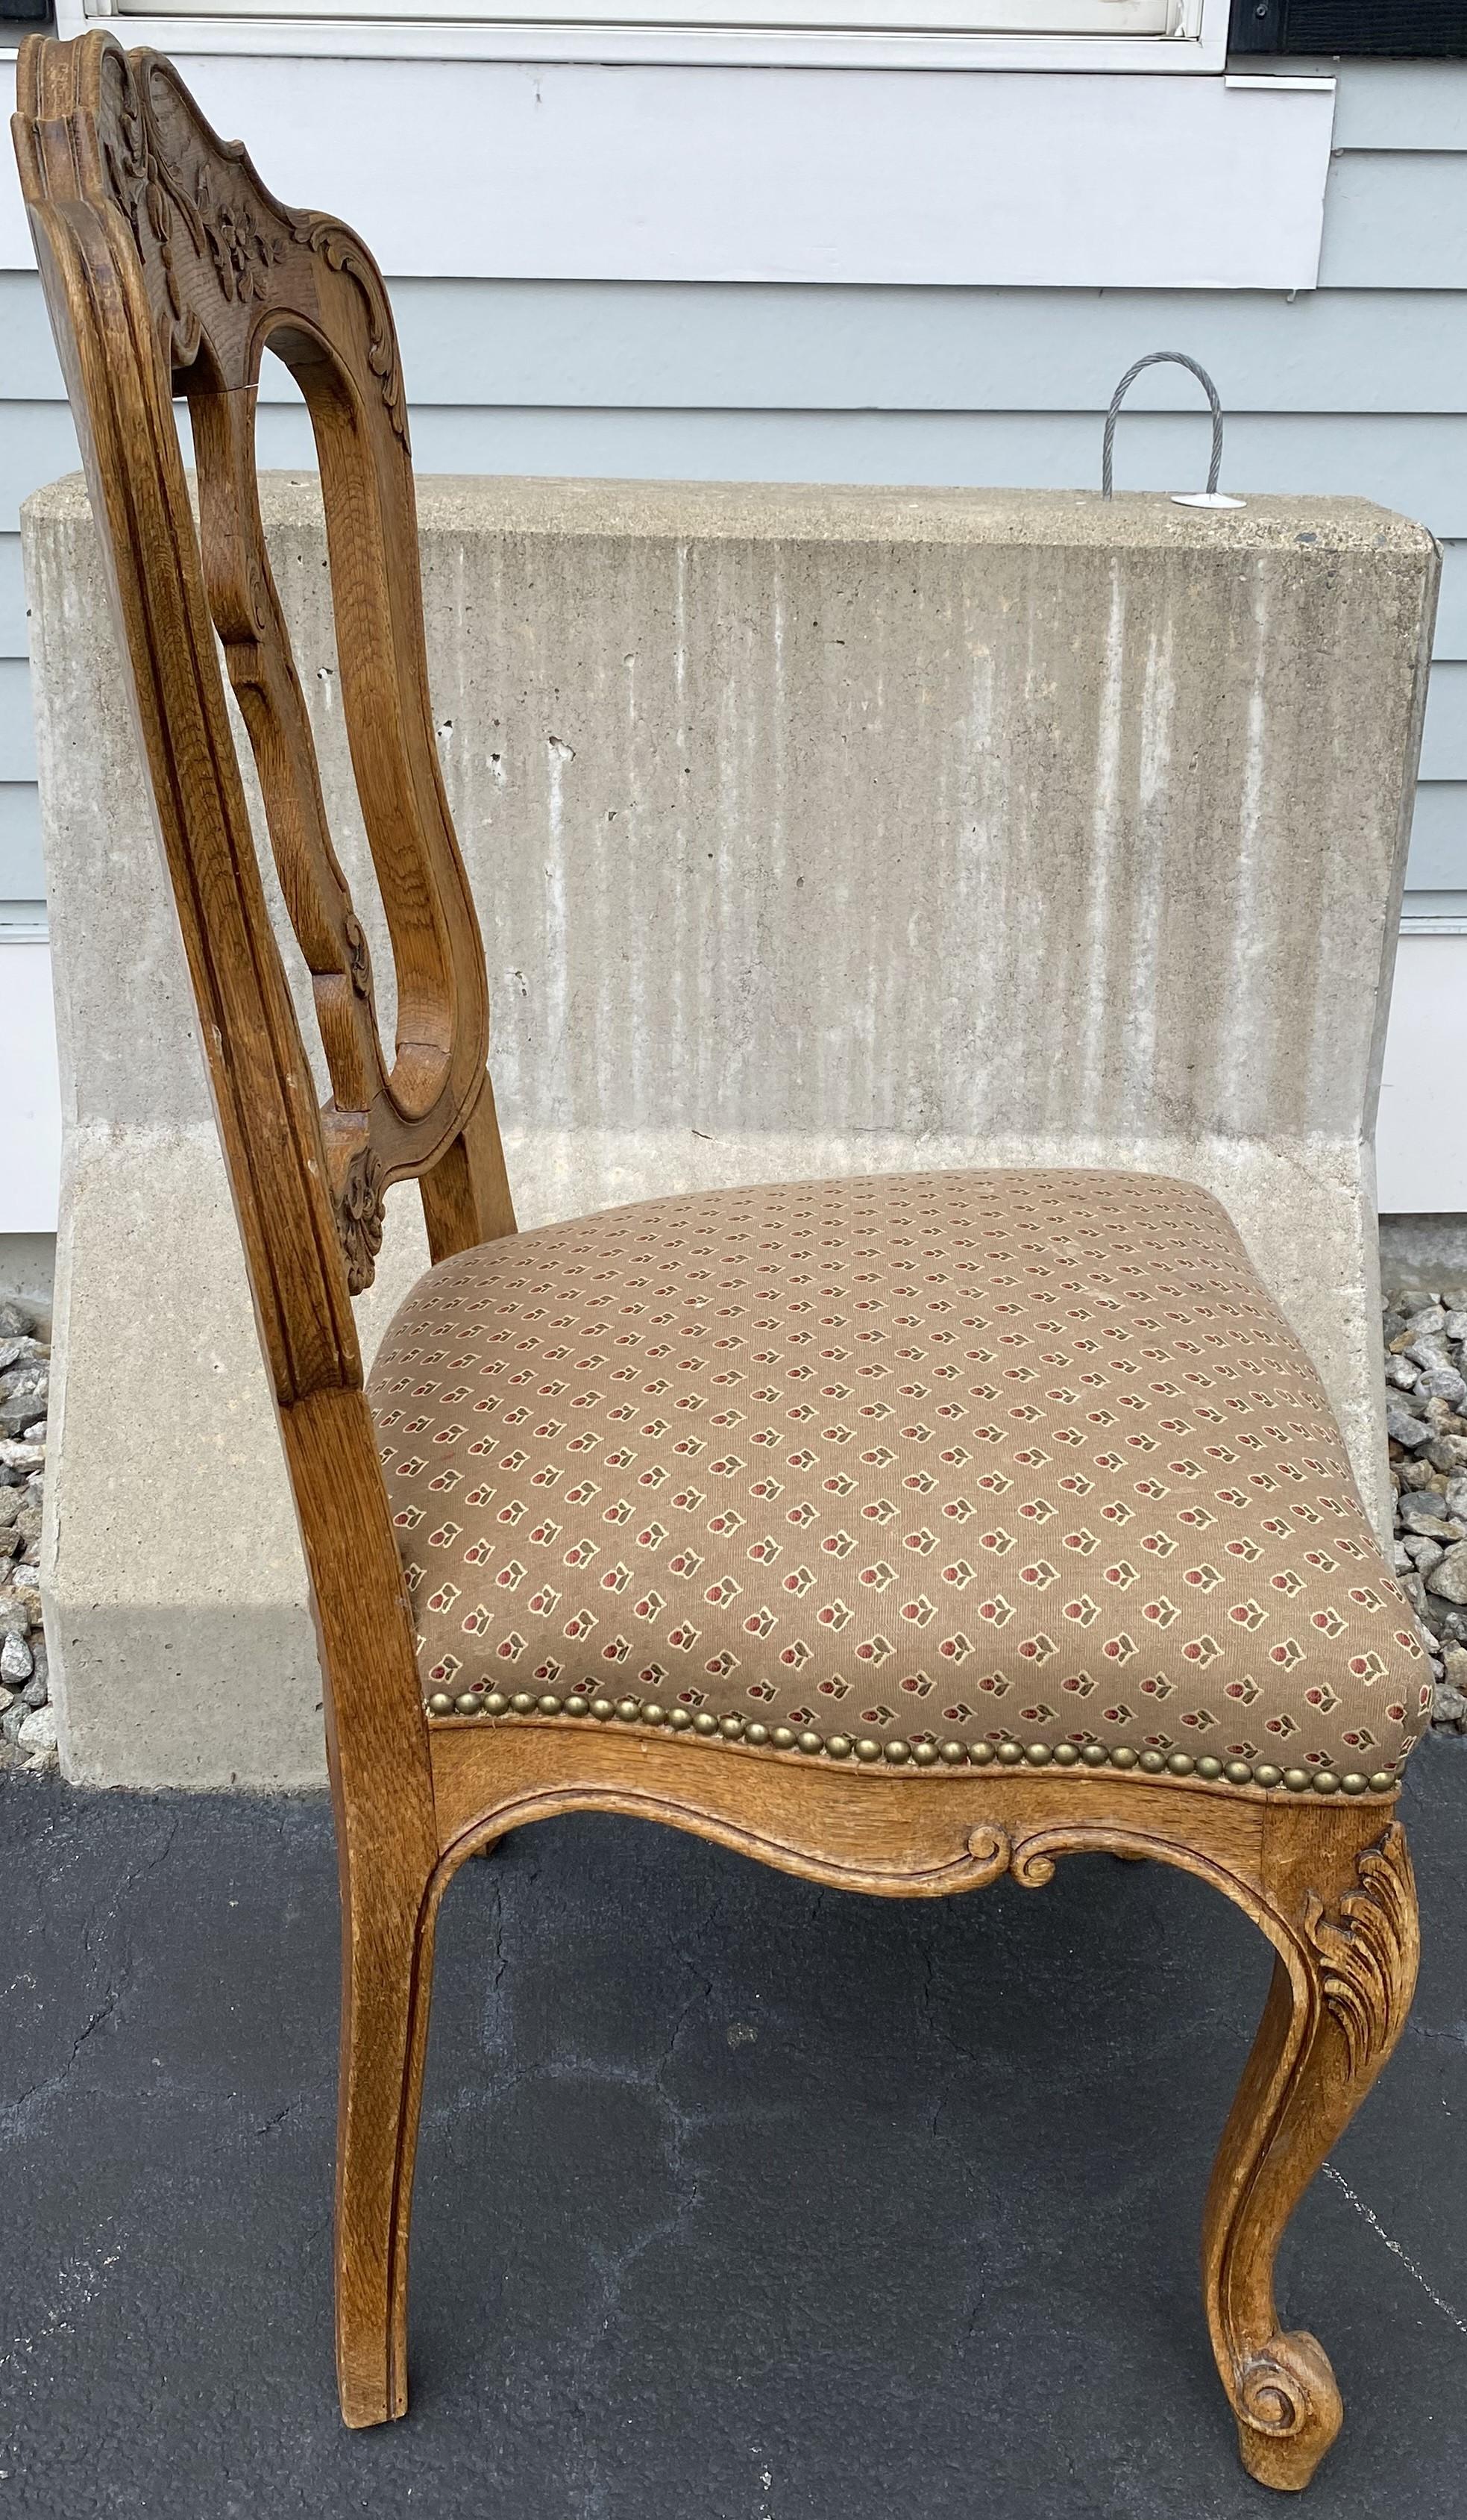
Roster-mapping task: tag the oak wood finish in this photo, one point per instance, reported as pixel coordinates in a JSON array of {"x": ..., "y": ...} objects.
[{"x": 169, "y": 266}]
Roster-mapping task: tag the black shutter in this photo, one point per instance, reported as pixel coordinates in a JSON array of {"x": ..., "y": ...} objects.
[{"x": 1358, "y": 29}]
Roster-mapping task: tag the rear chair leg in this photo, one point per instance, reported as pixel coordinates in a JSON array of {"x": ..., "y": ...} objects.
[
  {"x": 1342, "y": 1922},
  {"x": 386, "y": 1976}
]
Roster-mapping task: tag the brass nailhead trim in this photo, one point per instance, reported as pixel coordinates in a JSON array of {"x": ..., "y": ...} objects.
[{"x": 900, "y": 1753}]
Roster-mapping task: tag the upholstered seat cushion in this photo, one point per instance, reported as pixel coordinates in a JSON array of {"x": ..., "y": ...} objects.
[{"x": 942, "y": 1467}]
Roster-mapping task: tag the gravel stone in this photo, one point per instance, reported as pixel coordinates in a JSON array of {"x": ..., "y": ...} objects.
[
  {"x": 38, "y": 1731},
  {"x": 1448, "y": 1708},
  {"x": 1428, "y": 1353},
  {"x": 1404, "y": 1428},
  {"x": 1449, "y": 1579},
  {"x": 1429, "y": 1474},
  {"x": 1426, "y": 1512},
  {"x": 20, "y": 1599},
  {"x": 32, "y": 1376},
  {"x": 27, "y": 1720},
  {"x": 15, "y": 1660}
]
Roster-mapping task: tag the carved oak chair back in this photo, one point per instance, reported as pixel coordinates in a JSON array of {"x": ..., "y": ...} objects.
[
  {"x": 174, "y": 270},
  {"x": 169, "y": 267}
]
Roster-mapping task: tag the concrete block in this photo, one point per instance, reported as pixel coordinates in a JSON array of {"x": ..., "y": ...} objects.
[{"x": 812, "y": 830}]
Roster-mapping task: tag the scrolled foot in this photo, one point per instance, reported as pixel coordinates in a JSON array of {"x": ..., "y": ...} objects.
[{"x": 1288, "y": 2410}]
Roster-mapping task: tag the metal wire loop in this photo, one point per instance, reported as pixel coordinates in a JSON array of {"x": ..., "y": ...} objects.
[{"x": 1154, "y": 358}]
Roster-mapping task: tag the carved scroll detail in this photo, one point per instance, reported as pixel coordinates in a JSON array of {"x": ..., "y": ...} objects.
[
  {"x": 360, "y": 1213},
  {"x": 1364, "y": 1948},
  {"x": 1288, "y": 2408},
  {"x": 992, "y": 1852},
  {"x": 343, "y": 252}
]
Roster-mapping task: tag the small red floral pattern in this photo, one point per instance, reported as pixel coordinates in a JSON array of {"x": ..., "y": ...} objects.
[{"x": 1000, "y": 1455}]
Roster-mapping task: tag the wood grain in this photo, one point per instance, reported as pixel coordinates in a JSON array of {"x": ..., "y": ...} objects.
[{"x": 169, "y": 267}]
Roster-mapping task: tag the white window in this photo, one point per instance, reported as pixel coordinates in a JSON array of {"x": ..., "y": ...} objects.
[
  {"x": 1030, "y": 34},
  {"x": 916, "y": 16}
]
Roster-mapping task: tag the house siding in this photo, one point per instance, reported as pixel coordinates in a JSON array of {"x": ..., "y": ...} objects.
[{"x": 1361, "y": 386}]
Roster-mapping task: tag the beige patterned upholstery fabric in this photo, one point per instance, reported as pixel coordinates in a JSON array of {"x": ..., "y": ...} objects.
[{"x": 946, "y": 1466}]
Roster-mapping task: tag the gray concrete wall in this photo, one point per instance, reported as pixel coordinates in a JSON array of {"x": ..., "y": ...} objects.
[{"x": 811, "y": 831}]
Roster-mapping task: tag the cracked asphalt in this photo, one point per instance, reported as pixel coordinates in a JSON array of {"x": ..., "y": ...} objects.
[{"x": 737, "y": 2200}]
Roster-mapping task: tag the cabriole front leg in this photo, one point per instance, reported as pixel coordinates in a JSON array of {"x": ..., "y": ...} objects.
[{"x": 1342, "y": 1916}]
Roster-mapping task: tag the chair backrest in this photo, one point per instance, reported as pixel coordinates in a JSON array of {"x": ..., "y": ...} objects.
[{"x": 169, "y": 267}]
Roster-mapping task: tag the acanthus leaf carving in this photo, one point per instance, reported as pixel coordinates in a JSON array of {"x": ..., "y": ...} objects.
[
  {"x": 360, "y": 1216},
  {"x": 243, "y": 250},
  {"x": 153, "y": 186},
  {"x": 1366, "y": 1948}
]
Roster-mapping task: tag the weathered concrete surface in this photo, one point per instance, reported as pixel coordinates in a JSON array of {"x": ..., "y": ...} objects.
[{"x": 811, "y": 831}]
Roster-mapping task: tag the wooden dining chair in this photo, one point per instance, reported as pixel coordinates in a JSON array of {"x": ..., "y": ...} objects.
[{"x": 904, "y": 1533}]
